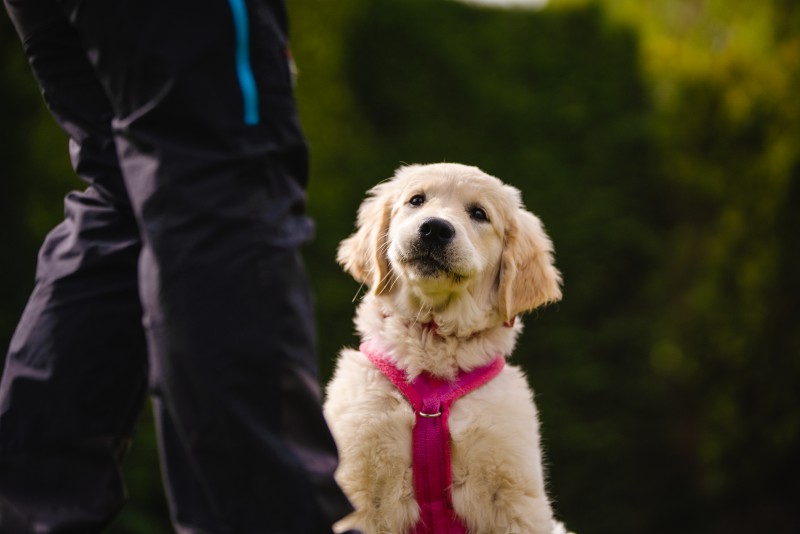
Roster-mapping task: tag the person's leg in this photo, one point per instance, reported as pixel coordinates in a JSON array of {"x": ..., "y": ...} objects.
[
  {"x": 260, "y": 456},
  {"x": 220, "y": 202},
  {"x": 76, "y": 371}
]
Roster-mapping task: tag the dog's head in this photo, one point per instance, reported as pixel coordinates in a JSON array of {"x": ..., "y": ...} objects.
[{"x": 445, "y": 231}]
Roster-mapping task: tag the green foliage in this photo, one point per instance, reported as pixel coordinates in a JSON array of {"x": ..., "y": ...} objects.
[
  {"x": 727, "y": 79},
  {"x": 660, "y": 144}
]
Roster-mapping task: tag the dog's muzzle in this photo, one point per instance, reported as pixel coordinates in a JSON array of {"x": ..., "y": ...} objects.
[
  {"x": 436, "y": 233},
  {"x": 428, "y": 251}
]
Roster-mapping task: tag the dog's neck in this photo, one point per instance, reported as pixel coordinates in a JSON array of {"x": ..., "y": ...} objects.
[{"x": 430, "y": 342}]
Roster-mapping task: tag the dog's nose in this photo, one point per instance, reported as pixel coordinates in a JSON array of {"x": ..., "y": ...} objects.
[{"x": 436, "y": 231}]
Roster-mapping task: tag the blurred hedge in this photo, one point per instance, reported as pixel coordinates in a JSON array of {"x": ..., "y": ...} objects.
[{"x": 660, "y": 144}]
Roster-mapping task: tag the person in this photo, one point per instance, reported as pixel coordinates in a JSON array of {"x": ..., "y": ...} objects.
[{"x": 176, "y": 272}]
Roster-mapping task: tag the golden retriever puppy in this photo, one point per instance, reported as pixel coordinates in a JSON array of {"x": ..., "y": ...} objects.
[{"x": 451, "y": 258}]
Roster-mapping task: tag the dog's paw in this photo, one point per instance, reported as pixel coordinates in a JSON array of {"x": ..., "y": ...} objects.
[
  {"x": 346, "y": 525},
  {"x": 559, "y": 528}
]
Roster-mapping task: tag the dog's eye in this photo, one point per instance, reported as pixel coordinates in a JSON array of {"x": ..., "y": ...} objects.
[
  {"x": 477, "y": 213},
  {"x": 417, "y": 200}
]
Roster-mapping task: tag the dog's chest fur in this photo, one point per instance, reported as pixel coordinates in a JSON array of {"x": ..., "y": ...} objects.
[{"x": 496, "y": 465}]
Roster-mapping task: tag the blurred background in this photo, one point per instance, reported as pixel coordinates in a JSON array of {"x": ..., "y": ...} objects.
[{"x": 659, "y": 142}]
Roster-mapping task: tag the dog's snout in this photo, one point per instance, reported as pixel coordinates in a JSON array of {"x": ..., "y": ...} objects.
[{"x": 436, "y": 231}]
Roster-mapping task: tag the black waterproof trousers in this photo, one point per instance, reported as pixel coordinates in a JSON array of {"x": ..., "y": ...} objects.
[{"x": 176, "y": 272}]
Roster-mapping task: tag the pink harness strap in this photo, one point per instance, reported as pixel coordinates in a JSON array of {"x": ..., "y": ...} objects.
[{"x": 431, "y": 399}]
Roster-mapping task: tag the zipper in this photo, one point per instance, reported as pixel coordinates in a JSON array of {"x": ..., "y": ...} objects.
[{"x": 244, "y": 67}]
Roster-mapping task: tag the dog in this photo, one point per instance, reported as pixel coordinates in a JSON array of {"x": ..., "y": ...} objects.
[{"x": 450, "y": 258}]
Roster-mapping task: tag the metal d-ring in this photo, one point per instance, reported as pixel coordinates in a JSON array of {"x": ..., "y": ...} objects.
[{"x": 429, "y": 415}]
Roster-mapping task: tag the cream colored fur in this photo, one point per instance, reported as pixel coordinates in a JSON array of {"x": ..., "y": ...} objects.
[{"x": 494, "y": 270}]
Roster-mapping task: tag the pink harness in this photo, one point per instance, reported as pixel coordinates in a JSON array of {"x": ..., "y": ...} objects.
[{"x": 431, "y": 399}]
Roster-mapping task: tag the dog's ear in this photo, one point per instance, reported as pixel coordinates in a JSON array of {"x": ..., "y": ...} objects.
[
  {"x": 528, "y": 277},
  {"x": 363, "y": 254}
]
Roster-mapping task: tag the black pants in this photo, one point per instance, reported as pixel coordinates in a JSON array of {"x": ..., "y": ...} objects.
[{"x": 175, "y": 272}]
